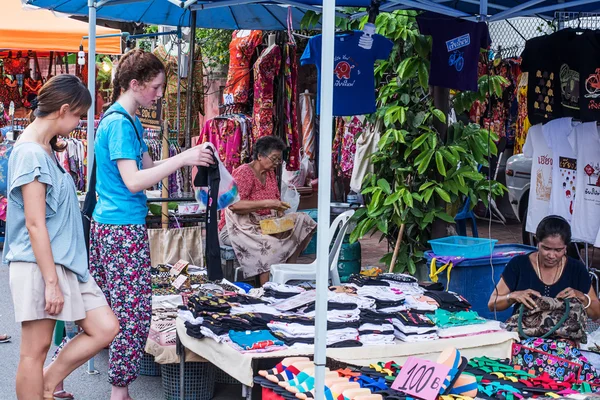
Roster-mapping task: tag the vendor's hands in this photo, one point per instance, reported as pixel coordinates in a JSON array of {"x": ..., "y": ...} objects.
[
  {"x": 570, "y": 293},
  {"x": 197, "y": 156},
  {"x": 54, "y": 299},
  {"x": 278, "y": 205},
  {"x": 525, "y": 297}
]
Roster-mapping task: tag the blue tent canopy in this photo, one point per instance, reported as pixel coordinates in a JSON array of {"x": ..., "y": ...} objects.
[{"x": 271, "y": 14}]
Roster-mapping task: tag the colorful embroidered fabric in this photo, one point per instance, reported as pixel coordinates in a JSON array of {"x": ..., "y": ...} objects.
[
  {"x": 170, "y": 95},
  {"x": 265, "y": 69},
  {"x": 559, "y": 359},
  {"x": 15, "y": 66},
  {"x": 344, "y": 144},
  {"x": 238, "y": 88},
  {"x": 290, "y": 103},
  {"x": 229, "y": 135},
  {"x": 523, "y": 123}
]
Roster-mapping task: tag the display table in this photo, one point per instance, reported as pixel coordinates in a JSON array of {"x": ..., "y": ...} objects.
[{"x": 240, "y": 366}]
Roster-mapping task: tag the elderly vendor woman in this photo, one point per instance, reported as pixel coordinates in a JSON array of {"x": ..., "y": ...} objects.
[{"x": 260, "y": 199}]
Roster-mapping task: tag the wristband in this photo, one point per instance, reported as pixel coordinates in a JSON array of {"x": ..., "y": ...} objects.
[
  {"x": 589, "y": 302},
  {"x": 508, "y": 298}
]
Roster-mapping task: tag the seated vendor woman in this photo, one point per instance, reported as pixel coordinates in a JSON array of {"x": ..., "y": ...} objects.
[
  {"x": 260, "y": 198},
  {"x": 547, "y": 272}
]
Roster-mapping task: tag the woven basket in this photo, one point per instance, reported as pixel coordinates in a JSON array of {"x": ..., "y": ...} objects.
[
  {"x": 157, "y": 333},
  {"x": 148, "y": 367},
  {"x": 223, "y": 377},
  {"x": 199, "y": 381}
]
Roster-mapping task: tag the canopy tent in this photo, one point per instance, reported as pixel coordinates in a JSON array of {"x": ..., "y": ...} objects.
[
  {"x": 239, "y": 16},
  {"x": 167, "y": 11},
  {"x": 261, "y": 14},
  {"x": 42, "y": 31}
]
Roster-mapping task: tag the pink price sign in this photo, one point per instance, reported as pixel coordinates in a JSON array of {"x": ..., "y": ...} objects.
[{"x": 421, "y": 378}]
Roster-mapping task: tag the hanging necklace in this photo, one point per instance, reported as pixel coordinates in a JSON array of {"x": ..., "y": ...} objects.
[{"x": 557, "y": 272}]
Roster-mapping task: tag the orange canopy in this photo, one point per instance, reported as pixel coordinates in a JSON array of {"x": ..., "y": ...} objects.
[{"x": 41, "y": 30}]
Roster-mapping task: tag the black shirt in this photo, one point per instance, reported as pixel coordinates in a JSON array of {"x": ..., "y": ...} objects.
[{"x": 520, "y": 274}]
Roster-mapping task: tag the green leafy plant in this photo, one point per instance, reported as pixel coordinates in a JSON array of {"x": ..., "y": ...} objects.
[
  {"x": 489, "y": 87},
  {"x": 215, "y": 46},
  {"x": 419, "y": 175}
]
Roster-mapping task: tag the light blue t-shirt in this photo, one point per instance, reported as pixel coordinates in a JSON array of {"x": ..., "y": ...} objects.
[
  {"x": 116, "y": 139},
  {"x": 28, "y": 162}
]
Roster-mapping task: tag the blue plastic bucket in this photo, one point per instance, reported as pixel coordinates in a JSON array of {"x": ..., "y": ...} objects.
[
  {"x": 463, "y": 246},
  {"x": 472, "y": 278}
]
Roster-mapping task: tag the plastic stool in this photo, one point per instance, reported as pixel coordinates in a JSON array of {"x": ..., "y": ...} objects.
[{"x": 462, "y": 216}]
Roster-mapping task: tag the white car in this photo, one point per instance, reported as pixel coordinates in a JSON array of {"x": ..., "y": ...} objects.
[{"x": 518, "y": 178}]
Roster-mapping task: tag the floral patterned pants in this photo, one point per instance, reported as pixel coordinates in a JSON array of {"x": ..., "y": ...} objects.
[{"x": 120, "y": 264}]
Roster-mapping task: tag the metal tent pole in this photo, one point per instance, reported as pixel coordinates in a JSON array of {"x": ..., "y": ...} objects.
[
  {"x": 91, "y": 85},
  {"x": 190, "y": 82},
  {"x": 179, "y": 68},
  {"x": 91, "y": 112},
  {"x": 324, "y": 214}
]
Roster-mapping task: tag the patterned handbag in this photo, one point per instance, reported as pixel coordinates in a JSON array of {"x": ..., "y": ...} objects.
[
  {"x": 561, "y": 360},
  {"x": 552, "y": 318}
]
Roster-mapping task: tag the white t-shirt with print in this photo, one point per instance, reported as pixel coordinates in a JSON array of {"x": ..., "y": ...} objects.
[
  {"x": 586, "y": 213},
  {"x": 564, "y": 171},
  {"x": 541, "y": 176}
]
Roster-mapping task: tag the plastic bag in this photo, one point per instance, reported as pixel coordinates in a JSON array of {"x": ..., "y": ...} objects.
[
  {"x": 298, "y": 178},
  {"x": 290, "y": 195},
  {"x": 228, "y": 190}
]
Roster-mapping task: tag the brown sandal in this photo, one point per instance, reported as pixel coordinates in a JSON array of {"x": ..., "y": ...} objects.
[{"x": 63, "y": 395}]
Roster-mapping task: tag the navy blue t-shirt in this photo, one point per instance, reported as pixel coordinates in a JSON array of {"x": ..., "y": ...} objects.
[
  {"x": 520, "y": 274},
  {"x": 455, "y": 51},
  {"x": 354, "y": 77}
]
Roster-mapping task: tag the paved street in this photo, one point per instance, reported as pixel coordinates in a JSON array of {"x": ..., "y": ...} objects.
[{"x": 84, "y": 386}]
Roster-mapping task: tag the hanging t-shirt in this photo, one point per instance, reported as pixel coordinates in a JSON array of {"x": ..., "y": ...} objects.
[
  {"x": 541, "y": 176},
  {"x": 564, "y": 172},
  {"x": 568, "y": 46},
  {"x": 354, "y": 77},
  {"x": 543, "y": 90},
  {"x": 586, "y": 213},
  {"x": 589, "y": 99},
  {"x": 455, "y": 52}
]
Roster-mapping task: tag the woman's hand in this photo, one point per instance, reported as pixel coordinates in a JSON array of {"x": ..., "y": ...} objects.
[
  {"x": 570, "y": 293},
  {"x": 197, "y": 156},
  {"x": 54, "y": 299},
  {"x": 277, "y": 205},
  {"x": 525, "y": 297}
]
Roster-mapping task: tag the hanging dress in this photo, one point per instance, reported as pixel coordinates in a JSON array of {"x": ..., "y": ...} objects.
[
  {"x": 290, "y": 105},
  {"x": 265, "y": 69},
  {"x": 241, "y": 48}
]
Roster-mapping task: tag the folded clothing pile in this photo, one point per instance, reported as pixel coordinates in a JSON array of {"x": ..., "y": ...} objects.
[
  {"x": 254, "y": 340},
  {"x": 375, "y": 328},
  {"x": 274, "y": 292},
  {"x": 462, "y": 323},
  {"x": 414, "y": 327},
  {"x": 449, "y": 301},
  {"x": 295, "y": 333}
]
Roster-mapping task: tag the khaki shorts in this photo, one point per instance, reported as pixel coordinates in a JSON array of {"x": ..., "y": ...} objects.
[{"x": 28, "y": 293}]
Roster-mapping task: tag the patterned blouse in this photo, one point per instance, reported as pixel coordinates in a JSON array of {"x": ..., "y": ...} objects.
[{"x": 251, "y": 188}]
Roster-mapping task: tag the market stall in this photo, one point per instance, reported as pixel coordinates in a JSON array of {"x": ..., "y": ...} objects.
[
  {"x": 211, "y": 351},
  {"x": 242, "y": 366}
]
